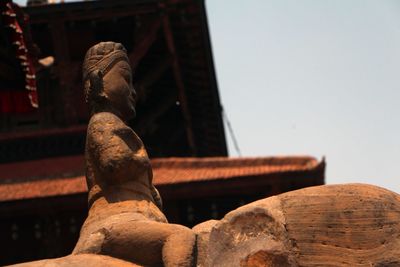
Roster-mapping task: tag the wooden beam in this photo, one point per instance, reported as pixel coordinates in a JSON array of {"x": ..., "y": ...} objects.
[
  {"x": 88, "y": 14},
  {"x": 143, "y": 86},
  {"x": 179, "y": 83},
  {"x": 60, "y": 41},
  {"x": 175, "y": 138},
  {"x": 148, "y": 119},
  {"x": 146, "y": 37},
  {"x": 63, "y": 63}
]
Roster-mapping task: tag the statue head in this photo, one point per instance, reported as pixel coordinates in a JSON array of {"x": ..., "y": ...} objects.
[{"x": 107, "y": 79}]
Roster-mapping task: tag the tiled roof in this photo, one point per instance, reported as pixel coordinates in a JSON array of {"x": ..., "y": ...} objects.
[
  {"x": 186, "y": 170},
  {"x": 45, "y": 178},
  {"x": 42, "y": 188}
]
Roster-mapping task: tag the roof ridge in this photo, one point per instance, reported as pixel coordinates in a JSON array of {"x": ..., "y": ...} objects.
[{"x": 224, "y": 162}]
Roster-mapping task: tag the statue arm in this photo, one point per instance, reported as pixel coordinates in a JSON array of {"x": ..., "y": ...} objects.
[
  {"x": 154, "y": 192},
  {"x": 111, "y": 156},
  {"x": 157, "y": 197}
]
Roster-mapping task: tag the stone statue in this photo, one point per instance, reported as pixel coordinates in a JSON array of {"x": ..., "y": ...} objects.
[
  {"x": 125, "y": 220},
  {"x": 80, "y": 260}
]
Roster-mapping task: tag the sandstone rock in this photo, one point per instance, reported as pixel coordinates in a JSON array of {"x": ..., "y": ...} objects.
[
  {"x": 334, "y": 225},
  {"x": 202, "y": 231},
  {"x": 82, "y": 260}
]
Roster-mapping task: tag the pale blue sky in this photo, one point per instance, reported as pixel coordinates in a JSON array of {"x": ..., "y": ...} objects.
[{"x": 313, "y": 77}]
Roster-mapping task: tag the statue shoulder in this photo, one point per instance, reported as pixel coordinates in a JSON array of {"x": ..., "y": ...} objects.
[
  {"x": 105, "y": 122},
  {"x": 110, "y": 131}
]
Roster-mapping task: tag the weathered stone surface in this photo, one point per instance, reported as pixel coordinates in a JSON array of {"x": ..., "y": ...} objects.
[
  {"x": 202, "y": 231},
  {"x": 266, "y": 258},
  {"x": 83, "y": 260},
  {"x": 248, "y": 230},
  {"x": 344, "y": 225},
  {"x": 334, "y": 225}
]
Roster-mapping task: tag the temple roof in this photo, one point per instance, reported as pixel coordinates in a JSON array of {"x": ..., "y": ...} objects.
[
  {"x": 64, "y": 175},
  {"x": 170, "y": 53}
]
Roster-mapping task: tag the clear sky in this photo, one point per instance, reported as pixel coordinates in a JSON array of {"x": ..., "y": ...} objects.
[
  {"x": 313, "y": 77},
  {"x": 316, "y": 78}
]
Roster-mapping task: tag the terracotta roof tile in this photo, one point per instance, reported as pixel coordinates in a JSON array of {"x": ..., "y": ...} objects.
[
  {"x": 42, "y": 188},
  {"x": 185, "y": 170},
  {"x": 32, "y": 180}
]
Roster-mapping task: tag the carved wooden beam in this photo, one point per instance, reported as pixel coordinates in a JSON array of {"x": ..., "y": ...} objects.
[
  {"x": 86, "y": 11},
  {"x": 175, "y": 138},
  {"x": 179, "y": 83},
  {"x": 145, "y": 122},
  {"x": 63, "y": 63},
  {"x": 143, "y": 86},
  {"x": 146, "y": 38},
  {"x": 60, "y": 41}
]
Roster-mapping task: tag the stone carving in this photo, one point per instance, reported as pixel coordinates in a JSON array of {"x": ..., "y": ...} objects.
[
  {"x": 125, "y": 219},
  {"x": 334, "y": 225},
  {"x": 82, "y": 260}
]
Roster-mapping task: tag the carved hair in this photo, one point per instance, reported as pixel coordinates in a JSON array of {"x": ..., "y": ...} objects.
[{"x": 99, "y": 59}]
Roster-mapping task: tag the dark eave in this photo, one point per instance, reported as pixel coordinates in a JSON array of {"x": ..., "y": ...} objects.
[{"x": 169, "y": 47}]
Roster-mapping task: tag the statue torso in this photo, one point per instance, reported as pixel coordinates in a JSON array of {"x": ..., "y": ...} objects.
[{"x": 118, "y": 170}]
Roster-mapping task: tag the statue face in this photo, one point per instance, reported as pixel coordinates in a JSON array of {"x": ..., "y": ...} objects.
[{"x": 119, "y": 89}]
